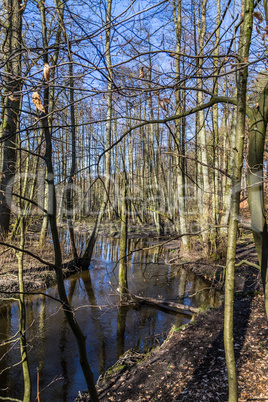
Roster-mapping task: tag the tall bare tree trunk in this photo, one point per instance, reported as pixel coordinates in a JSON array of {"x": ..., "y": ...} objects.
[
  {"x": 178, "y": 125},
  {"x": 215, "y": 117},
  {"x": 93, "y": 237},
  {"x": 50, "y": 91},
  {"x": 204, "y": 218},
  {"x": 69, "y": 314},
  {"x": 256, "y": 149},
  {"x": 243, "y": 51},
  {"x": 11, "y": 108}
]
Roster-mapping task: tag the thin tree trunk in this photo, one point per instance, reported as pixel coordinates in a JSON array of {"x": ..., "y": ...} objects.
[
  {"x": 69, "y": 192},
  {"x": 179, "y": 127},
  {"x": 122, "y": 275},
  {"x": 244, "y": 44},
  {"x": 94, "y": 235},
  {"x": 215, "y": 117},
  {"x": 204, "y": 218},
  {"x": 22, "y": 327},
  {"x": 49, "y": 92}
]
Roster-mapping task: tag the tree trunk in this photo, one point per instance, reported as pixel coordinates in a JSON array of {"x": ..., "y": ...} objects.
[
  {"x": 258, "y": 127},
  {"x": 244, "y": 44},
  {"x": 179, "y": 127},
  {"x": 204, "y": 218},
  {"x": 11, "y": 114},
  {"x": 22, "y": 325},
  {"x": 69, "y": 314},
  {"x": 122, "y": 275}
]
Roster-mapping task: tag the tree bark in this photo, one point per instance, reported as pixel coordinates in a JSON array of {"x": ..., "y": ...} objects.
[
  {"x": 22, "y": 322},
  {"x": 243, "y": 51},
  {"x": 11, "y": 108},
  {"x": 258, "y": 127},
  {"x": 122, "y": 275}
]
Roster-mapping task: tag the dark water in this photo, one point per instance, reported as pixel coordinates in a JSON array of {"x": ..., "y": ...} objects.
[{"x": 110, "y": 331}]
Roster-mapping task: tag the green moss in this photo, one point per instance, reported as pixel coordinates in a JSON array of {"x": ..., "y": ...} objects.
[
  {"x": 113, "y": 370},
  {"x": 117, "y": 368},
  {"x": 5, "y": 126}
]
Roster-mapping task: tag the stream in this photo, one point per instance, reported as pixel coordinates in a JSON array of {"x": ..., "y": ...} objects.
[{"x": 110, "y": 330}]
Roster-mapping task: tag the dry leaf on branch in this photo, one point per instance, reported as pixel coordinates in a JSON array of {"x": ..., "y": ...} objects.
[
  {"x": 141, "y": 73},
  {"x": 167, "y": 100},
  {"x": 37, "y": 102},
  {"x": 258, "y": 15},
  {"x": 12, "y": 97},
  {"x": 163, "y": 105},
  {"x": 46, "y": 71}
]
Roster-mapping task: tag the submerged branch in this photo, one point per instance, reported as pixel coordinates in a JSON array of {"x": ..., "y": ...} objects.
[{"x": 167, "y": 305}]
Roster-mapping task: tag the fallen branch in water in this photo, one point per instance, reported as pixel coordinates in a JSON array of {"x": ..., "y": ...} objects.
[{"x": 177, "y": 307}]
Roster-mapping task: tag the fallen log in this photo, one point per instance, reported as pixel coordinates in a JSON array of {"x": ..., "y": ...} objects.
[{"x": 177, "y": 307}]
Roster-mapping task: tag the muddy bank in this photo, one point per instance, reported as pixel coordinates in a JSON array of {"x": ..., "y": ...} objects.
[
  {"x": 247, "y": 277},
  {"x": 37, "y": 278}
]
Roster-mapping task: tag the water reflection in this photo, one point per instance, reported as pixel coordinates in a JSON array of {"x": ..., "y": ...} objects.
[{"x": 110, "y": 330}]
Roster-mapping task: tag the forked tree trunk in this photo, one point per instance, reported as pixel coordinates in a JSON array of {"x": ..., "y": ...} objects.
[
  {"x": 69, "y": 313},
  {"x": 105, "y": 198}
]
